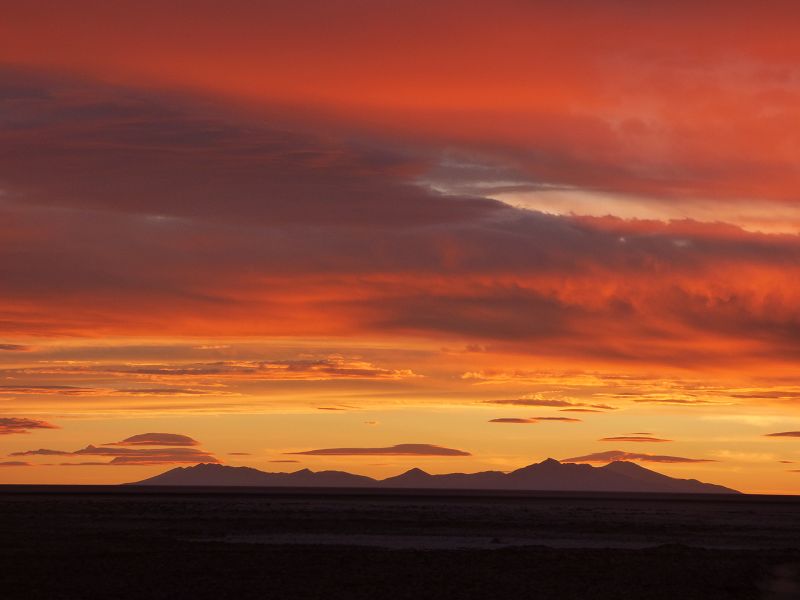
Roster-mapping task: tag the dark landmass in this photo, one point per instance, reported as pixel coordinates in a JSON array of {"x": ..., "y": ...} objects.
[
  {"x": 148, "y": 542},
  {"x": 548, "y": 475}
]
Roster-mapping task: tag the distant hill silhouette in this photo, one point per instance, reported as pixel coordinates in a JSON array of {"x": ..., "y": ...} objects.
[{"x": 548, "y": 475}]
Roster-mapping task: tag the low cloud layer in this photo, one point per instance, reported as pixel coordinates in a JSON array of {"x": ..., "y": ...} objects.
[
  {"x": 156, "y": 439},
  {"x": 173, "y": 450},
  {"x": 784, "y": 434},
  {"x": 398, "y": 450},
  {"x": 615, "y": 455}
]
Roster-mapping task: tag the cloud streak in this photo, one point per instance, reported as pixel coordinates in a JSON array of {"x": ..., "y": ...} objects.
[
  {"x": 615, "y": 455},
  {"x": 531, "y": 420},
  {"x": 634, "y": 438},
  {"x": 397, "y": 450}
]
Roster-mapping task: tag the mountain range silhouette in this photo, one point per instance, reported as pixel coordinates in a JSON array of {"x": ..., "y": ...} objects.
[{"x": 548, "y": 475}]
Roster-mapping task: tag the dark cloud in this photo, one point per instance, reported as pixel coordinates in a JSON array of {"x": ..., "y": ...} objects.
[
  {"x": 114, "y": 149},
  {"x": 784, "y": 434},
  {"x": 12, "y": 425},
  {"x": 614, "y": 455},
  {"x": 347, "y": 238},
  {"x": 15, "y": 348},
  {"x": 239, "y": 454},
  {"x": 40, "y": 452},
  {"x": 156, "y": 439},
  {"x": 15, "y": 463},
  {"x": 149, "y": 456},
  {"x": 69, "y": 390},
  {"x": 398, "y": 450},
  {"x": 330, "y": 367},
  {"x": 160, "y": 448},
  {"x": 65, "y": 390},
  {"x": 532, "y": 420},
  {"x": 639, "y": 438}
]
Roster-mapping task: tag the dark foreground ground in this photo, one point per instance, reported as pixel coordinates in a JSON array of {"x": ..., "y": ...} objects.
[{"x": 117, "y": 543}]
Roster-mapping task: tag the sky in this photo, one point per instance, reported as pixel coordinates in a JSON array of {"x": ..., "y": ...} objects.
[{"x": 372, "y": 236}]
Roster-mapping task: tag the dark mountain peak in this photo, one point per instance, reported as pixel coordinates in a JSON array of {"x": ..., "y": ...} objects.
[
  {"x": 548, "y": 464},
  {"x": 549, "y": 474},
  {"x": 416, "y": 471}
]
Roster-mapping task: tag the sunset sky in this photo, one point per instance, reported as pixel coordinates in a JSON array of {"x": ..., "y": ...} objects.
[{"x": 370, "y": 236}]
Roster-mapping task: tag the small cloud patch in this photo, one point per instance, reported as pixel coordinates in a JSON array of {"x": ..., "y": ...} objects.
[{"x": 12, "y": 425}]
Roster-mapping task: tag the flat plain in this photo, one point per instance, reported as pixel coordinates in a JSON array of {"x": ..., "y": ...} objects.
[{"x": 87, "y": 542}]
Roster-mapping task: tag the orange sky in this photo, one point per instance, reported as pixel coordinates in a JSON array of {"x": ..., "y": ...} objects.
[{"x": 279, "y": 227}]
